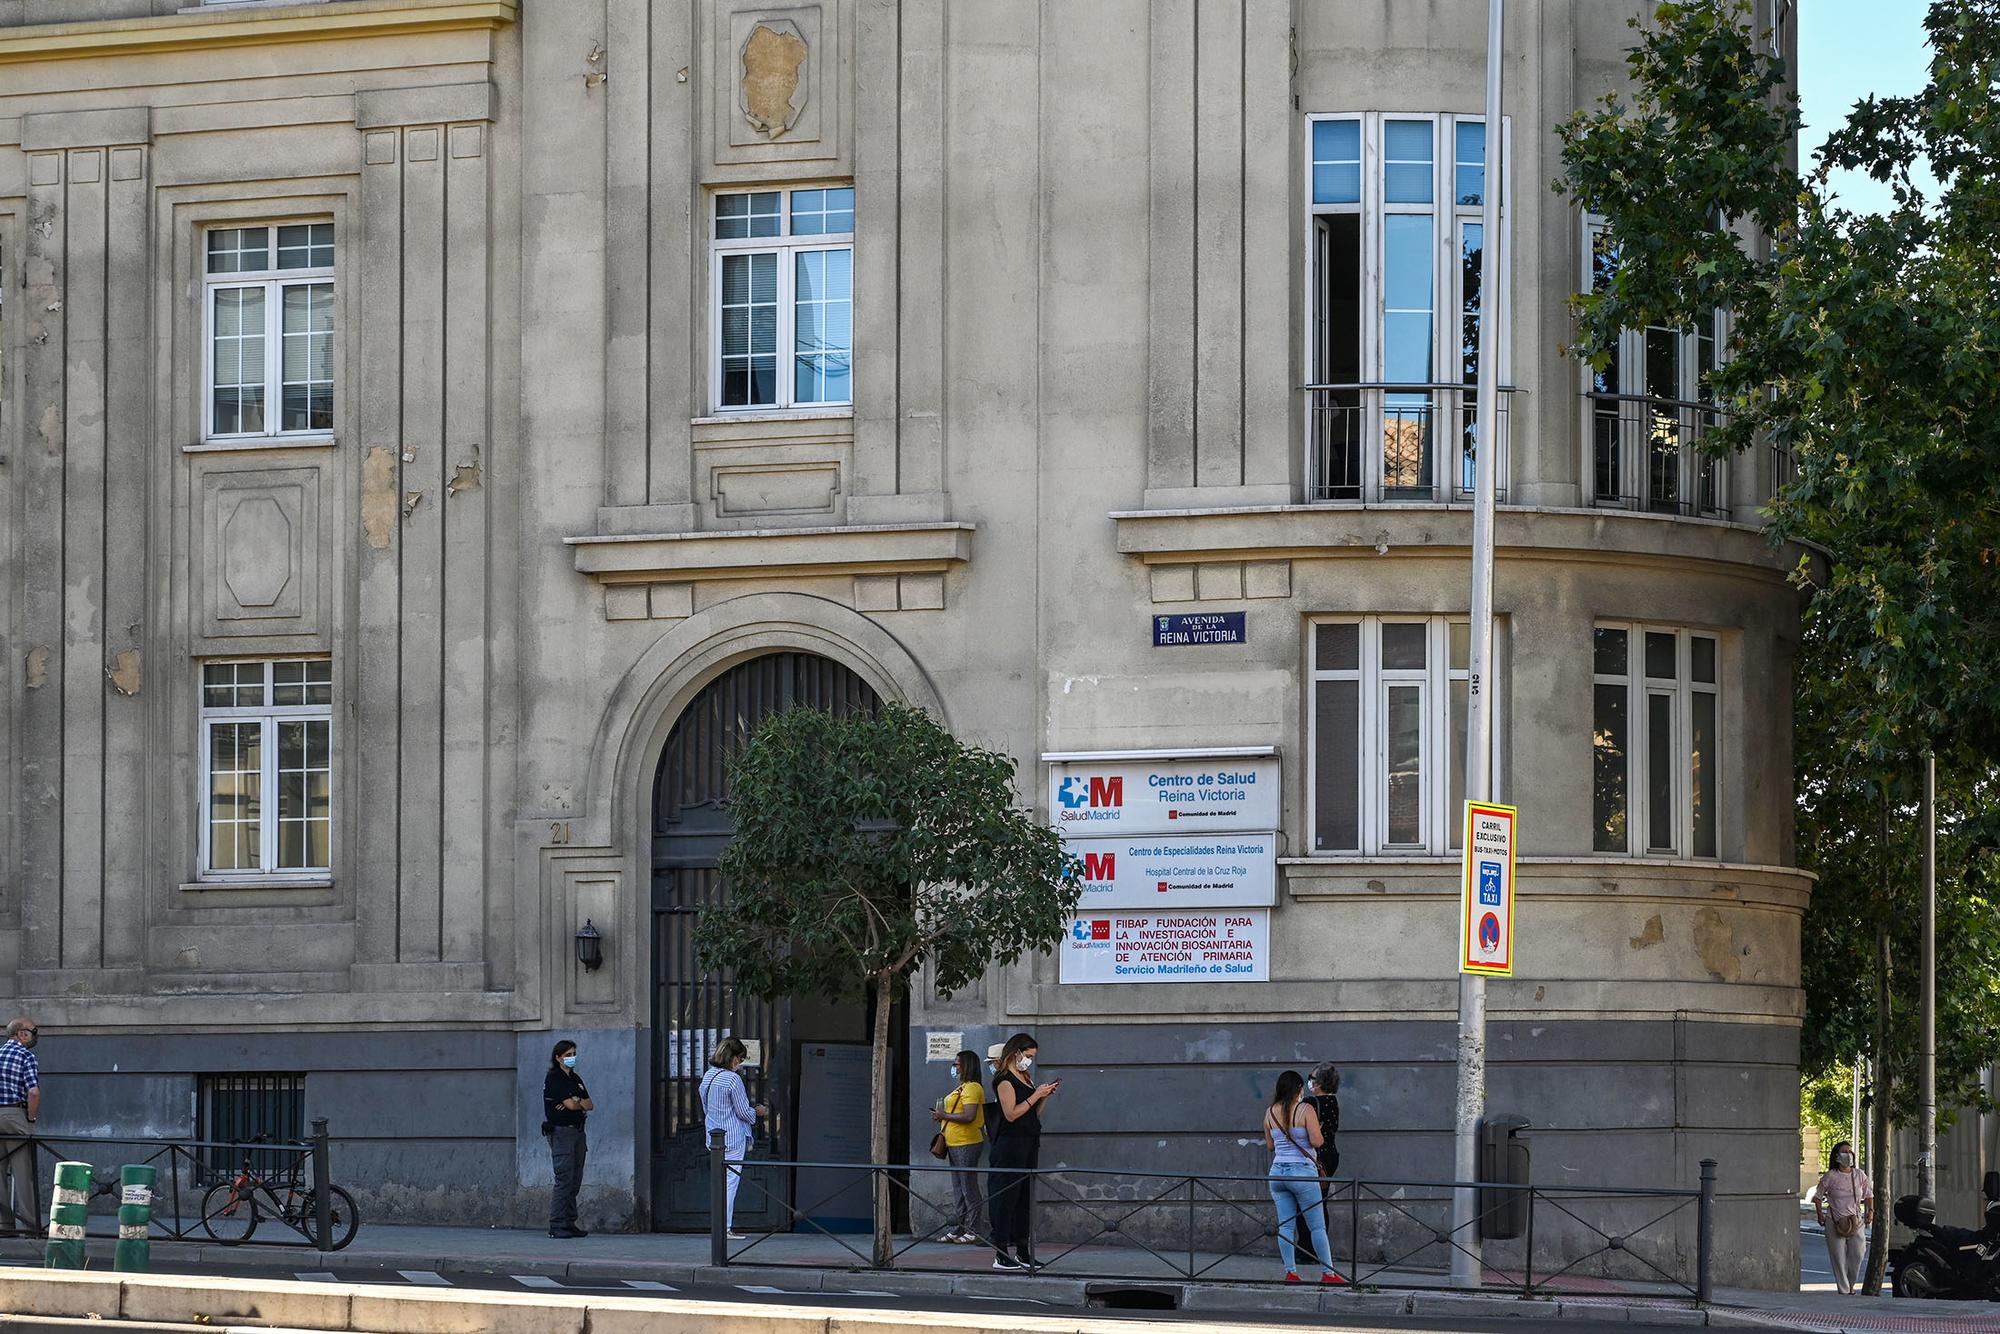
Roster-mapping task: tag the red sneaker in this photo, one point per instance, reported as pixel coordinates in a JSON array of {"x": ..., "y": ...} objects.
[
  {"x": 1291, "y": 1277},
  {"x": 1330, "y": 1277}
]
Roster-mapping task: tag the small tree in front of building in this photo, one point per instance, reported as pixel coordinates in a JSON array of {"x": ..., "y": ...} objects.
[{"x": 866, "y": 847}]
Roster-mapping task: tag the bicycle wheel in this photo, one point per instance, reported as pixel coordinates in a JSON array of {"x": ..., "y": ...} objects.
[
  {"x": 227, "y": 1216},
  {"x": 346, "y": 1220}
]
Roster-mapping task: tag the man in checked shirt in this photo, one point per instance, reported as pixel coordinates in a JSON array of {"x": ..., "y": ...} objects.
[{"x": 20, "y": 1104}]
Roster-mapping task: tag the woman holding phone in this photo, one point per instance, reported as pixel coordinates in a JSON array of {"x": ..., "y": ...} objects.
[{"x": 1016, "y": 1153}]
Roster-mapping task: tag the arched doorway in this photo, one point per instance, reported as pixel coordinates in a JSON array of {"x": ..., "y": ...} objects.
[{"x": 692, "y": 1008}]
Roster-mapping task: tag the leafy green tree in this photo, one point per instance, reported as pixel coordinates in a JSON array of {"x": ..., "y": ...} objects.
[
  {"x": 867, "y": 847},
  {"x": 1863, "y": 346}
]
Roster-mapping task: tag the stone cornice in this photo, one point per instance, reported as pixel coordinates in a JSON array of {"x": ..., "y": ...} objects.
[
  {"x": 223, "y": 28},
  {"x": 875, "y": 548},
  {"x": 1169, "y": 536}
]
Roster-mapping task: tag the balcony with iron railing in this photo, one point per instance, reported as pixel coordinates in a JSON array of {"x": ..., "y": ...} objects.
[
  {"x": 1380, "y": 441},
  {"x": 1647, "y": 453}
]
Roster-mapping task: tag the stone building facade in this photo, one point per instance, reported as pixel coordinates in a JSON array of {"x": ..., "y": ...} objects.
[{"x": 434, "y": 429}]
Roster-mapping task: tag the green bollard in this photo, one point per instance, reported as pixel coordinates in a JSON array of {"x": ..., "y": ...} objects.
[
  {"x": 135, "y": 1219},
  {"x": 66, "y": 1216}
]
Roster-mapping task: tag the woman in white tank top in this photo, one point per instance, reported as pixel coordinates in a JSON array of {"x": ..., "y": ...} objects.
[{"x": 1291, "y": 1130}]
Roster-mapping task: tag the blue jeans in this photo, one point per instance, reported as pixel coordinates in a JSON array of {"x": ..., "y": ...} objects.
[{"x": 1295, "y": 1190}]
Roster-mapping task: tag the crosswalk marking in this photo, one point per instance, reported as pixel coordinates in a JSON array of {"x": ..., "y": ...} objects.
[
  {"x": 320, "y": 1276},
  {"x": 647, "y": 1285},
  {"x": 535, "y": 1281},
  {"x": 425, "y": 1277},
  {"x": 759, "y": 1289}
]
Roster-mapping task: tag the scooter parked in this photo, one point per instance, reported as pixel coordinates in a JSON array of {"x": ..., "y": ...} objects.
[{"x": 1952, "y": 1262}]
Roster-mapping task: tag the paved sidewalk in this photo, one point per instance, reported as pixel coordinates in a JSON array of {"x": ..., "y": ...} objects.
[{"x": 810, "y": 1264}]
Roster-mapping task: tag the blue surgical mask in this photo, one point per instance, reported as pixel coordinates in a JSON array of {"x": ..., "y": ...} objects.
[{"x": 569, "y": 1061}]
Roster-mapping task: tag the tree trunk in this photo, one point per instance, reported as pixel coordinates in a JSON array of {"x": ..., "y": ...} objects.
[
  {"x": 878, "y": 1108},
  {"x": 1879, "y": 1171}
]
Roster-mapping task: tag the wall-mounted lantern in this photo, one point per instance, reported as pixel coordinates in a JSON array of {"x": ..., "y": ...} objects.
[{"x": 589, "y": 946}]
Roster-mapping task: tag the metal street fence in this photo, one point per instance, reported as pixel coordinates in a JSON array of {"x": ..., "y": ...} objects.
[
  {"x": 214, "y": 1190},
  {"x": 1150, "y": 1226}
]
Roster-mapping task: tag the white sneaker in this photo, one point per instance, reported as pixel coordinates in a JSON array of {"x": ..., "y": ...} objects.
[{"x": 738, "y": 1236}]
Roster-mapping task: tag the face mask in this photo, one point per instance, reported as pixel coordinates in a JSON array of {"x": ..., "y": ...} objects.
[
  {"x": 1025, "y": 1064},
  {"x": 1843, "y": 1160},
  {"x": 569, "y": 1061}
]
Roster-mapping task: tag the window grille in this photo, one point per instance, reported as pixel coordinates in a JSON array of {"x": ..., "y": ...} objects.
[{"x": 237, "y": 1108}]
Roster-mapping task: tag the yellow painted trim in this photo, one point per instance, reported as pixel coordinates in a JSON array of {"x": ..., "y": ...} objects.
[{"x": 325, "y": 21}]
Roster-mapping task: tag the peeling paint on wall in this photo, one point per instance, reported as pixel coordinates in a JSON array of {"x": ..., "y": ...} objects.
[
  {"x": 38, "y": 666},
  {"x": 1715, "y": 941},
  {"x": 774, "y": 56},
  {"x": 125, "y": 672},
  {"x": 378, "y": 496},
  {"x": 1654, "y": 933},
  {"x": 465, "y": 477}
]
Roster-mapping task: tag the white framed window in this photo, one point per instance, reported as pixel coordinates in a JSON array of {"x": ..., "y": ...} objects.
[
  {"x": 266, "y": 767},
  {"x": 1393, "y": 359},
  {"x": 1387, "y": 745},
  {"x": 267, "y": 331},
  {"x": 1656, "y": 714},
  {"x": 1650, "y": 407},
  {"x": 783, "y": 279},
  {"x": 1781, "y": 27}
]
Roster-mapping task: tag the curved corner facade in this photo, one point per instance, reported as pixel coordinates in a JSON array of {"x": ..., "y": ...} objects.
[{"x": 435, "y": 433}]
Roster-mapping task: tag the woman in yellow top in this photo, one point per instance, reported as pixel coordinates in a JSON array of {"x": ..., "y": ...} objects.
[{"x": 962, "y": 1113}]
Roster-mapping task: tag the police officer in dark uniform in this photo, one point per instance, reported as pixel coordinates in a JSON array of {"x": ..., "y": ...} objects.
[{"x": 565, "y": 1106}]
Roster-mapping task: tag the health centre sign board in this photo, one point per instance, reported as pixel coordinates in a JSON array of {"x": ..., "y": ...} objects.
[
  {"x": 1156, "y": 871},
  {"x": 1097, "y": 797},
  {"x": 1232, "y": 945}
]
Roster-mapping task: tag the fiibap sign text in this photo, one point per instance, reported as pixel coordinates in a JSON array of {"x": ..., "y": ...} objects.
[{"x": 1232, "y": 945}]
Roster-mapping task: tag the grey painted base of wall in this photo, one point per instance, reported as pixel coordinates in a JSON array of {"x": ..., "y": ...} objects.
[
  {"x": 1610, "y": 1103},
  {"x": 443, "y": 1126},
  {"x": 428, "y": 1126}
]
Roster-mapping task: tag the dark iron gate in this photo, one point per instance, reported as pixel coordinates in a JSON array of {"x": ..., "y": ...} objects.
[{"x": 693, "y": 1008}]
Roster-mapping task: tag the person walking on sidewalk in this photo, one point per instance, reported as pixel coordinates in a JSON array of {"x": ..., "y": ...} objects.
[
  {"x": 1291, "y": 1132},
  {"x": 1016, "y": 1153},
  {"x": 725, "y": 1106},
  {"x": 566, "y": 1105},
  {"x": 1844, "y": 1204},
  {"x": 20, "y": 1104},
  {"x": 963, "y": 1116}
]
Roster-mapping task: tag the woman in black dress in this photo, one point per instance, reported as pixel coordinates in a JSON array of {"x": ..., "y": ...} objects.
[{"x": 1016, "y": 1137}]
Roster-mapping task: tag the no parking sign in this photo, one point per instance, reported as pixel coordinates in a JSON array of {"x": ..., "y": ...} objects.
[{"x": 1486, "y": 908}]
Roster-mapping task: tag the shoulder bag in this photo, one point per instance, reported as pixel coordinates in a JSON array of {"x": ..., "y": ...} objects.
[{"x": 938, "y": 1150}]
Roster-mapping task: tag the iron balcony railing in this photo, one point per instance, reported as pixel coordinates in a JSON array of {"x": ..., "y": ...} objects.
[
  {"x": 1646, "y": 453},
  {"x": 1647, "y": 1243},
  {"x": 1386, "y": 441}
]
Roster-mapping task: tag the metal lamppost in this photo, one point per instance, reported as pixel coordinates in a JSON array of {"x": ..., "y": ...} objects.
[{"x": 1470, "y": 1103}]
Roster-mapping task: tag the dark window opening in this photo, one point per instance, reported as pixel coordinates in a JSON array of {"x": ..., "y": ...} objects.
[{"x": 237, "y": 1109}]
